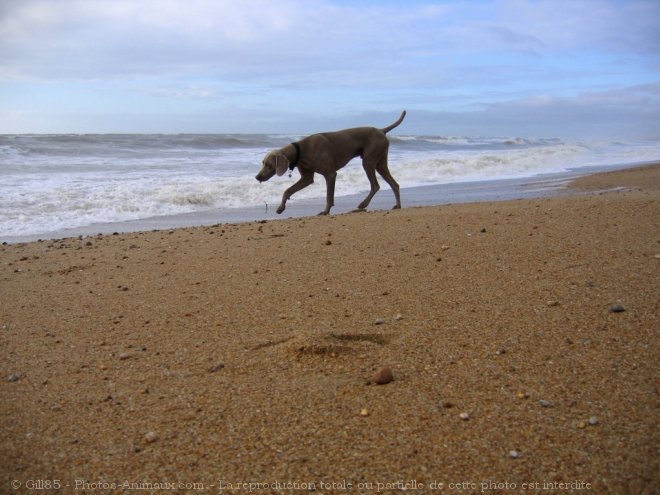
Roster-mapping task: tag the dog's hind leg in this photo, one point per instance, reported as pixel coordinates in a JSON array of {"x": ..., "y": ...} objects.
[
  {"x": 384, "y": 172},
  {"x": 370, "y": 170}
]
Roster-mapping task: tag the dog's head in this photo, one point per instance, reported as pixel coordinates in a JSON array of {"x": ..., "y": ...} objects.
[{"x": 274, "y": 163}]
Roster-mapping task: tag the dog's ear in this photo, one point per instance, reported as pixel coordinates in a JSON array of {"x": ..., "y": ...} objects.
[{"x": 281, "y": 163}]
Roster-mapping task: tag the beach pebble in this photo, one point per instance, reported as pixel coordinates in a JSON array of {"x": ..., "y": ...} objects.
[
  {"x": 552, "y": 303},
  {"x": 617, "y": 308},
  {"x": 151, "y": 437},
  {"x": 593, "y": 421},
  {"x": 383, "y": 376},
  {"x": 364, "y": 412},
  {"x": 464, "y": 416},
  {"x": 545, "y": 403},
  {"x": 217, "y": 367},
  {"x": 13, "y": 378},
  {"x": 379, "y": 321},
  {"x": 124, "y": 355},
  {"x": 657, "y": 256},
  {"x": 522, "y": 395},
  {"x": 398, "y": 317},
  {"x": 514, "y": 454}
]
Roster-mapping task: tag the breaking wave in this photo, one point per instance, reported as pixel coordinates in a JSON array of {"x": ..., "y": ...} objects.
[{"x": 54, "y": 182}]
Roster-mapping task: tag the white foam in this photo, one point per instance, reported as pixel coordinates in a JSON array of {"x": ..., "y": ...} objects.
[{"x": 50, "y": 183}]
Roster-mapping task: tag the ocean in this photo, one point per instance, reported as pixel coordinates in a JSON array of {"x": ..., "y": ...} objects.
[{"x": 54, "y": 183}]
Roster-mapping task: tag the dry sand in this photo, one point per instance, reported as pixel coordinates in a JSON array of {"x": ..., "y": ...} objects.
[{"x": 210, "y": 357}]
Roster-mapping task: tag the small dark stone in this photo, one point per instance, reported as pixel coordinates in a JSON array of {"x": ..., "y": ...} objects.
[
  {"x": 217, "y": 367},
  {"x": 383, "y": 376},
  {"x": 617, "y": 308}
]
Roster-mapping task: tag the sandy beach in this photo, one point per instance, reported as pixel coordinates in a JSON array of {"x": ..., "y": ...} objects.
[{"x": 522, "y": 337}]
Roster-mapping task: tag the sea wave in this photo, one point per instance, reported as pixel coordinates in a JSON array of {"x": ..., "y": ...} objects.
[{"x": 51, "y": 183}]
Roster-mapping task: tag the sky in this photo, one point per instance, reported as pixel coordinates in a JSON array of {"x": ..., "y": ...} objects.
[{"x": 585, "y": 69}]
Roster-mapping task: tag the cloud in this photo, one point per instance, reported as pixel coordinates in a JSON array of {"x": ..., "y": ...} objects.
[
  {"x": 91, "y": 39},
  {"x": 128, "y": 38},
  {"x": 270, "y": 58},
  {"x": 622, "y": 112},
  {"x": 196, "y": 92}
]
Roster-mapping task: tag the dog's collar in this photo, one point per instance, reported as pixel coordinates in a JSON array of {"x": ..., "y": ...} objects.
[{"x": 293, "y": 163}]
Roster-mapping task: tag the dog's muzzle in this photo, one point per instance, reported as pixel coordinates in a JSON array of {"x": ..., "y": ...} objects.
[{"x": 264, "y": 175}]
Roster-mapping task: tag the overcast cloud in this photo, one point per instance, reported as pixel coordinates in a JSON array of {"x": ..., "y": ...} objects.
[{"x": 542, "y": 68}]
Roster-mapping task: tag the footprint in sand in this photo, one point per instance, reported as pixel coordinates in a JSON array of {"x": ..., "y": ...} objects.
[{"x": 326, "y": 344}]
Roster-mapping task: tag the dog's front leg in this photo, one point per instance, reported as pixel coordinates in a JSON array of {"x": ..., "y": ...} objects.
[
  {"x": 306, "y": 179},
  {"x": 330, "y": 192}
]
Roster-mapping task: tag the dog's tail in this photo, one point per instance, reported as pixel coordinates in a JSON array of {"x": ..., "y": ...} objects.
[{"x": 387, "y": 129}]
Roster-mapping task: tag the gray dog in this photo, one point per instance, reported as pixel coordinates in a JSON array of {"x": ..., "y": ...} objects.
[{"x": 327, "y": 152}]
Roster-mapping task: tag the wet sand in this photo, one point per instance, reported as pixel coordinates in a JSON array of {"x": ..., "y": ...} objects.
[{"x": 522, "y": 338}]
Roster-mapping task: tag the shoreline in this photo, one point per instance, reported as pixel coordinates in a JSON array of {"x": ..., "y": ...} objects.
[
  {"x": 477, "y": 191},
  {"x": 522, "y": 338}
]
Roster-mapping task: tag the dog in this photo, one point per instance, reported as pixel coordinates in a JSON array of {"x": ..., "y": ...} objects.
[{"x": 326, "y": 153}]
